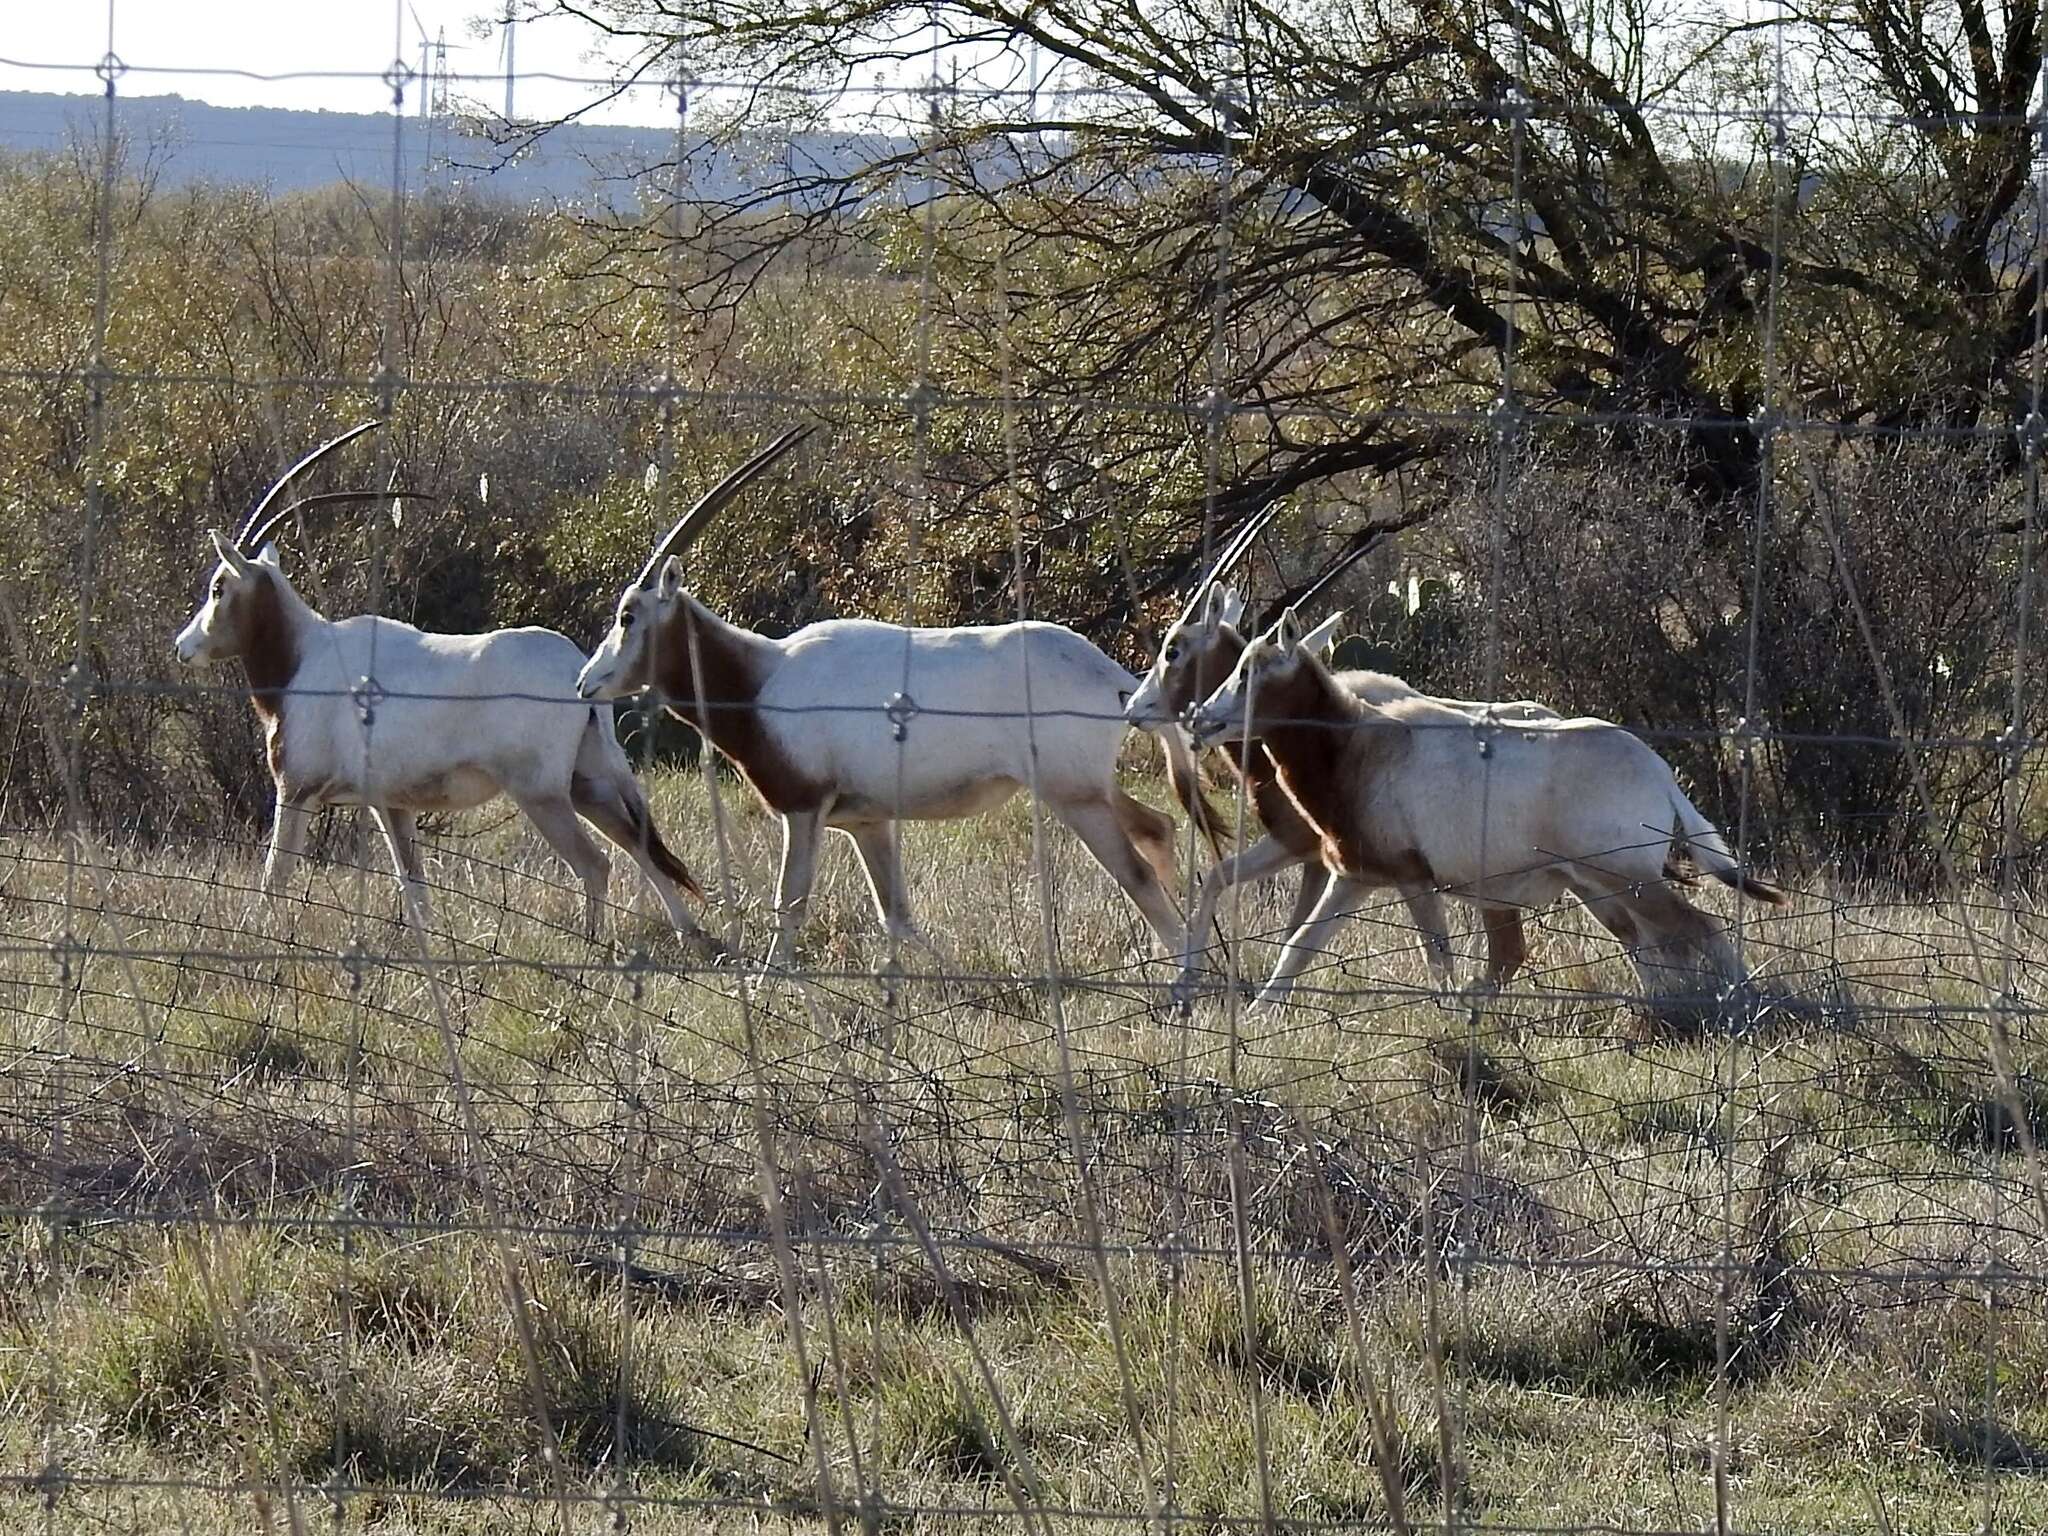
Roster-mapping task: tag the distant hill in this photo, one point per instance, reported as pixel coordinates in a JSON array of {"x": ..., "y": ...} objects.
[{"x": 289, "y": 151}]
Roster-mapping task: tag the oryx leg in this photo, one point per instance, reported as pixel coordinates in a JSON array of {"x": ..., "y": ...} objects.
[
  {"x": 1426, "y": 906},
  {"x": 1314, "y": 881},
  {"x": 881, "y": 855},
  {"x": 554, "y": 817},
  {"x": 399, "y": 829},
  {"x": 287, "y": 842},
  {"x": 1608, "y": 906},
  {"x": 1151, "y": 833},
  {"x": 801, "y": 832},
  {"x": 1691, "y": 946},
  {"x": 1507, "y": 946},
  {"x": 630, "y": 826},
  {"x": 1268, "y": 856},
  {"x": 1340, "y": 898},
  {"x": 1101, "y": 829}
]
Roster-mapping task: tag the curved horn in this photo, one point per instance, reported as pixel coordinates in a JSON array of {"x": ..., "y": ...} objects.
[
  {"x": 255, "y": 538},
  {"x": 1232, "y": 553},
  {"x": 257, "y": 516},
  {"x": 693, "y": 521}
]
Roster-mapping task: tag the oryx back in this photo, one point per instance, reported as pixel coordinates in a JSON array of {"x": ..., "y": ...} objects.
[
  {"x": 1506, "y": 823},
  {"x": 450, "y": 721},
  {"x": 977, "y": 701}
]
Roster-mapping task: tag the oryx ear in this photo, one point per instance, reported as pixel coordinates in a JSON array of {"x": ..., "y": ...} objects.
[
  {"x": 1216, "y": 607},
  {"x": 267, "y": 555},
  {"x": 671, "y": 580},
  {"x": 1233, "y": 606},
  {"x": 1324, "y": 634},
  {"x": 1287, "y": 634},
  {"x": 229, "y": 555}
]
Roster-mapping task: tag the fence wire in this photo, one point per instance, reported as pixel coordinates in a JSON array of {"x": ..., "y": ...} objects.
[{"x": 398, "y": 1206}]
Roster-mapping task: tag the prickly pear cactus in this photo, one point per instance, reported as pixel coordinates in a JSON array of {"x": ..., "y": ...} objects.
[{"x": 1408, "y": 634}]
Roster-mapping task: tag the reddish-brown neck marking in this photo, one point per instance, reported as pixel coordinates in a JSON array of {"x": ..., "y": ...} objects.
[
  {"x": 713, "y": 685},
  {"x": 259, "y": 628},
  {"x": 1206, "y": 660},
  {"x": 1204, "y": 665},
  {"x": 265, "y": 642},
  {"x": 1321, "y": 740}
]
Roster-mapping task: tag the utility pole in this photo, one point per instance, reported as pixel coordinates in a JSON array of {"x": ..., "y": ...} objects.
[
  {"x": 441, "y": 74},
  {"x": 511, "y": 73}
]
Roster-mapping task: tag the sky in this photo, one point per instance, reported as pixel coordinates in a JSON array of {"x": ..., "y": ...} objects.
[{"x": 207, "y": 50}]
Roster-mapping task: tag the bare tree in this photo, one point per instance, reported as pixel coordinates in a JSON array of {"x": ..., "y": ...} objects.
[{"x": 1415, "y": 193}]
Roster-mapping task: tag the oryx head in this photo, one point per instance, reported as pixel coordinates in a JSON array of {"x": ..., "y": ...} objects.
[
  {"x": 1270, "y": 682},
  {"x": 1202, "y": 644},
  {"x": 645, "y": 647},
  {"x": 241, "y": 594},
  {"x": 1203, "y": 647}
]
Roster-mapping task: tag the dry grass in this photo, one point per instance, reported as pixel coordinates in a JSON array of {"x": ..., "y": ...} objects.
[{"x": 256, "y": 1258}]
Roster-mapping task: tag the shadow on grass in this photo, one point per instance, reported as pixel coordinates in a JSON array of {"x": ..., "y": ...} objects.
[{"x": 1614, "y": 1351}]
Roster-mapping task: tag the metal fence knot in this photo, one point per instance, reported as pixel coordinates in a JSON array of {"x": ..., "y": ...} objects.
[
  {"x": 63, "y": 951},
  {"x": 355, "y": 962},
  {"x": 398, "y": 74},
  {"x": 77, "y": 684},
  {"x": 51, "y": 1480},
  {"x": 901, "y": 710},
  {"x": 366, "y": 695}
]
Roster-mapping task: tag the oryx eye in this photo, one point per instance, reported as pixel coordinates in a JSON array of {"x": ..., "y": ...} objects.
[
  {"x": 1173, "y": 653},
  {"x": 626, "y": 619}
]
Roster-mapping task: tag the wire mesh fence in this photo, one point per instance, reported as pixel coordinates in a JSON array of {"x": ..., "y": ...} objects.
[{"x": 951, "y": 1196}]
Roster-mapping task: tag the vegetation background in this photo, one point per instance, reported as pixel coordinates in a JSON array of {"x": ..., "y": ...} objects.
[
  {"x": 1609, "y": 297},
  {"x": 1677, "y": 338}
]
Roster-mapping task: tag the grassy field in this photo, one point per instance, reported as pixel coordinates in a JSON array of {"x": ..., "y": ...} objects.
[{"x": 268, "y": 1254}]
